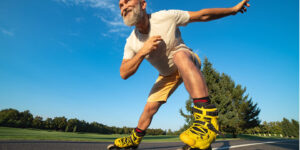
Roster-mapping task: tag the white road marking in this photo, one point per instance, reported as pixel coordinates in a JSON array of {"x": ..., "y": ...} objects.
[{"x": 244, "y": 145}]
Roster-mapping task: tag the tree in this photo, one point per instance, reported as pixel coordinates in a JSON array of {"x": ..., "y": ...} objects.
[
  {"x": 72, "y": 125},
  {"x": 169, "y": 132},
  {"x": 48, "y": 123},
  {"x": 295, "y": 127},
  {"x": 275, "y": 127},
  {"x": 37, "y": 122},
  {"x": 248, "y": 114},
  {"x": 14, "y": 118},
  {"x": 287, "y": 128},
  {"x": 222, "y": 97},
  {"x": 60, "y": 123},
  {"x": 290, "y": 128},
  {"x": 26, "y": 119},
  {"x": 9, "y": 117}
]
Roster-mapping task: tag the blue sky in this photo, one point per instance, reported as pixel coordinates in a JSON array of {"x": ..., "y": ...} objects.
[{"x": 62, "y": 58}]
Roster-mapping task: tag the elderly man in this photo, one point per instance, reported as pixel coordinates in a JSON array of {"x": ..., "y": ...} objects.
[{"x": 157, "y": 38}]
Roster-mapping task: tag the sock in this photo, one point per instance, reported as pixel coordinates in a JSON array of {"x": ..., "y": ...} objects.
[
  {"x": 139, "y": 132},
  {"x": 199, "y": 102}
]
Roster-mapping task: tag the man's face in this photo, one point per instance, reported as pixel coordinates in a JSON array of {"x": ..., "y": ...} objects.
[{"x": 131, "y": 11}]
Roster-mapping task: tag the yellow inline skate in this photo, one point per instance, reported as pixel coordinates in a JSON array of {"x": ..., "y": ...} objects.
[
  {"x": 204, "y": 129},
  {"x": 131, "y": 142}
]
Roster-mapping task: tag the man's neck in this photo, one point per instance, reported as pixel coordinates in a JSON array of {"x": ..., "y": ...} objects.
[{"x": 144, "y": 26}]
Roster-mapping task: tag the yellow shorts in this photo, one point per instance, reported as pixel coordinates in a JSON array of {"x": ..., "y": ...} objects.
[{"x": 166, "y": 85}]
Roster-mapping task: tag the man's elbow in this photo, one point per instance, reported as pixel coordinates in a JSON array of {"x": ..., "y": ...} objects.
[
  {"x": 123, "y": 76},
  {"x": 200, "y": 16}
]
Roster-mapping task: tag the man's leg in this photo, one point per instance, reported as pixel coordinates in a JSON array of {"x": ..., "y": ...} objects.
[
  {"x": 191, "y": 75},
  {"x": 205, "y": 127},
  {"x": 138, "y": 133},
  {"x": 150, "y": 109},
  {"x": 164, "y": 86}
]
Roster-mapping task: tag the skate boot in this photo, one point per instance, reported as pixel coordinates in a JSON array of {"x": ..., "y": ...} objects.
[
  {"x": 204, "y": 129},
  {"x": 130, "y": 142}
]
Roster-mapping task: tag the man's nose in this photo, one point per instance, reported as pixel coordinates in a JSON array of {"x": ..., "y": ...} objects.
[{"x": 122, "y": 9}]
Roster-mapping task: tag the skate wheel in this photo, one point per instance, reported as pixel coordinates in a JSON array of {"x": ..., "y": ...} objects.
[
  {"x": 112, "y": 147},
  {"x": 209, "y": 148},
  {"x": 185, "y": 147}
]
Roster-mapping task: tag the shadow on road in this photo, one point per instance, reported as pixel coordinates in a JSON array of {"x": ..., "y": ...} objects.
[
  {"x": 287, "y": 144},
  {"x": 282, "y": 143}
]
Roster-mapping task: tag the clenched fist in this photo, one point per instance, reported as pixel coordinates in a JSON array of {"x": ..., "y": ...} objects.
[{"x": 151, "y": 44}]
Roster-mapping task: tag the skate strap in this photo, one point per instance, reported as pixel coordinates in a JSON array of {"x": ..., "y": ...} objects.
[
  {"x": 209, "y": 113},
  {"x": 200, "y": 122},
  {"x": 210, "y": 126}
]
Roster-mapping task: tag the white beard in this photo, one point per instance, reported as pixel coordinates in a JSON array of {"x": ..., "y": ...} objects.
[{"x": 134, "y": 16}]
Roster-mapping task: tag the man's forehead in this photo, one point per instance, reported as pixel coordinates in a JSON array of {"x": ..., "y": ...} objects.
[{"x": 122, "y": 1}]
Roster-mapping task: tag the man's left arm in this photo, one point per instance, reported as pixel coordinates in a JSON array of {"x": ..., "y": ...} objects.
[{"x": 216, "y": 13}]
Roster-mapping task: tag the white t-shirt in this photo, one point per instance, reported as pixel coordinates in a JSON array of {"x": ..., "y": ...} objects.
[{"x": 164, "y": 23}]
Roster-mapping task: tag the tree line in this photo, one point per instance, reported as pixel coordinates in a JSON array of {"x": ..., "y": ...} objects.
[
  {"x": 14, "y": 118},
  {"x": 284, "y": 128},
  {"x": 237, "y": 111}
]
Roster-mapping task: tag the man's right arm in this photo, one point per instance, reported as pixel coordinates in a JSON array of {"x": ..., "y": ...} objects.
[
  {"x": 130, "y": 66},
  {"x": 216, "y": 13}
]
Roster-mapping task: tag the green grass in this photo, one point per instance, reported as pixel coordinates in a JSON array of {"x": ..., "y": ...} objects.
[{"x": 7, "y": 133}]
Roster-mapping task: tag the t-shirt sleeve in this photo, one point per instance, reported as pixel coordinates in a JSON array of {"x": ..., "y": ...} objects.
[
  {"x": 128, "y": 52},
  {"x": 181, "y": 17}
]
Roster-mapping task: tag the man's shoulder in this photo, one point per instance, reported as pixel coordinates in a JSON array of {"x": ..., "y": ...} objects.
[
  {"x": 166, "y": 12},
  {"x": 131, "y": 35},
  {"x": 159, "y": 13},
  {"x": 130, "y": 40}
]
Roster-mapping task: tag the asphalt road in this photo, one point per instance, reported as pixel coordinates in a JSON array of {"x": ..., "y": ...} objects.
[{"x": 219, "y": 145}]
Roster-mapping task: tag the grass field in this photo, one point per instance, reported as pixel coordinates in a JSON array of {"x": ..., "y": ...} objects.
[
  {"x": 7, "y": 133},
  {"x": 35, "y": 134}
]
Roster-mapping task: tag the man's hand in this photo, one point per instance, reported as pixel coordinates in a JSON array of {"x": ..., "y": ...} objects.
[
  {"x": 130, "y": 66},
  {"x": 151, "y": 44},
  {"x": 241, "y": 7}
]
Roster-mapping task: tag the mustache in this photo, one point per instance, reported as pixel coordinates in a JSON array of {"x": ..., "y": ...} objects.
[{"x": 126, "y": 11}]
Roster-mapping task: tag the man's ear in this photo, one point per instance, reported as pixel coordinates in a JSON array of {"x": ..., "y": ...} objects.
[{"x": 143, "y": 4}]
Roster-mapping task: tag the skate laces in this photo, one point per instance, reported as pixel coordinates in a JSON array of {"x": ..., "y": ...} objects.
[{"x": 130, "y": 140}]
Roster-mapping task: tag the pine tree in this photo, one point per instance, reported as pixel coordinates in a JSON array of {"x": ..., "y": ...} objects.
[
  {"x": 287, "y": 128},
  {"x": 295, "y": 127},
  {"x": 248, "y": 115}
]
